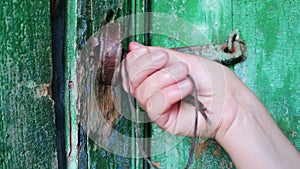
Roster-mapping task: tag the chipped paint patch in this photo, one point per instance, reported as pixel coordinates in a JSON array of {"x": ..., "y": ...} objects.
[
  {"x": 43, "y": 90},
  {"x": 39, "y": 90}
]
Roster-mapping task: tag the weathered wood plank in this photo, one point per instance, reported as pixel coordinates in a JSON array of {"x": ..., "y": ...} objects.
[
  {"x": 91, "y": 15},
  {"x": 27, "y": 133},
  {"x": 271, "y": 30},
  {"x": 70, "y": 56}
]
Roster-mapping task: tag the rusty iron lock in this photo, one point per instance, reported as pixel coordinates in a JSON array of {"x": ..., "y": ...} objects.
[{"x": 107, "y": 46}]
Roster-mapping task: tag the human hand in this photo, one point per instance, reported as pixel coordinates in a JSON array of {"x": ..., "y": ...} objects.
[
  {"x": 236, "y": 117},
  {"x": 159, "y": 81}
]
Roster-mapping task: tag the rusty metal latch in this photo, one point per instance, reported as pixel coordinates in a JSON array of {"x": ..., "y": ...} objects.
[
  {"x": 108, "y": 48},
  {"x": 229, "y": 53}
]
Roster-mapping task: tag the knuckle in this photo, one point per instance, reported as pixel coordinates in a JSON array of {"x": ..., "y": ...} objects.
[
  {"x": 141, "y": 97},
  {"x": 133, "y": 84},
  {"x": 171, "y": 130}
]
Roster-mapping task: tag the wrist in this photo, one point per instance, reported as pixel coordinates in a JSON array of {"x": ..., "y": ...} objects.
[{"x": 252, "y": 138}]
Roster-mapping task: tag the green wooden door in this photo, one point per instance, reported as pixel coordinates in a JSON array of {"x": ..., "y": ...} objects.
[{"x": 270, "y": 30}]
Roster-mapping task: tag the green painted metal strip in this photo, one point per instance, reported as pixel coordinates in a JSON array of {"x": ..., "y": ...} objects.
[
  {"x": 137, "y": 8},
  {"x": 134, "y": 162},
  {"x": 142, "y": 26},
  {"x": 69, "y": 96}
]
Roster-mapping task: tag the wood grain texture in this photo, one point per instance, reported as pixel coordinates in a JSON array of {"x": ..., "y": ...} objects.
[{"x": 27, "y": 129}]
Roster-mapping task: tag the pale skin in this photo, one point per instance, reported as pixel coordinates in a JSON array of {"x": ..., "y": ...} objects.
[{"x": 238, "y": 121}]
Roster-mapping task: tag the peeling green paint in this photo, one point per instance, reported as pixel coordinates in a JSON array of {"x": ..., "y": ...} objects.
[
  {"x": 27, "y": 134},
  {"x": 71, "y": 135},
  {"x": 271, "y": 30}
]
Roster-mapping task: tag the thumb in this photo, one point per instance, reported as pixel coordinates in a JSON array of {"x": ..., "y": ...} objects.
[{"x": 134, "y": 46}]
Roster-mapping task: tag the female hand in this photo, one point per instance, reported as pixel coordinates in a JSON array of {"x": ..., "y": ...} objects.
[
  {"x": 159, "y": 81},
  {"x": 236, "y": 118}
]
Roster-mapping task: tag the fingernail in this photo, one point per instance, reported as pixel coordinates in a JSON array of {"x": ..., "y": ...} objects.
[
  {"x": 140, "y": 51},
  {"x": 134, "y": 45},
  {"x": 156, "y": 105},
  {"x": 137, "y": 53},
  {"x": 158, "y": 56},
  {"x": 148, "y": 105},
  {"x": 184, "y": 84},
  {"x": 177, "y": 68}
]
